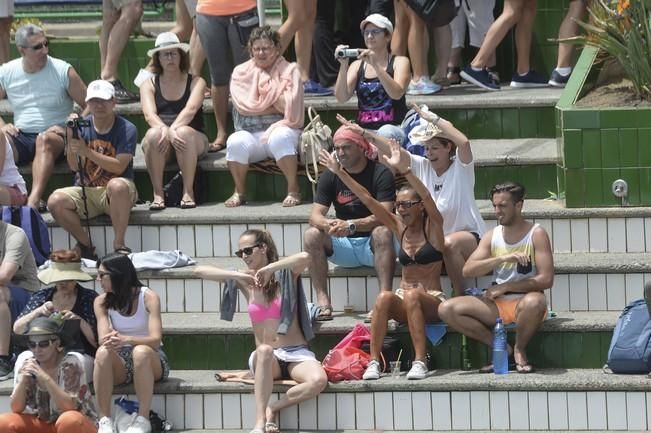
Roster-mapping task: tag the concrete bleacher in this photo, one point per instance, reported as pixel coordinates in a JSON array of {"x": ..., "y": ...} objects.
[{"x": 602, "y": 259}]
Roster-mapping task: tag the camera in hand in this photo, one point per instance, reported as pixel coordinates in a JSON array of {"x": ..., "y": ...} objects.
[
  {"x": 77, "y": 122},
  {"x": 350, "y": 53}
]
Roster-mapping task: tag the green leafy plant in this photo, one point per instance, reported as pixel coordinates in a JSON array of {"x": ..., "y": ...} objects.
[{"x": 622, "y": 29}]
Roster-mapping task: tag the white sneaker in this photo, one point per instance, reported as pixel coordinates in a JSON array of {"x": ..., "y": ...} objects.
[
  {"x": 372, "y": 371},
  {"x": 418, "y": 371},
  {"x": 140, "y": 425},
  {"x": 106, "y": 425},
  {"x": 424, "y": 86}
]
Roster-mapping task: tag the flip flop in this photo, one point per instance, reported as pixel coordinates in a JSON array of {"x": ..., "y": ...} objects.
[
  {"x": 271, "y": 427},
  {"x": 235, "y": 200},
  {"x": 123, "y": 249},
  {"x": 323, "y": 317},
  {"x": 188, "y": 204},
  {"x": 216, "y": 147},
  {"x": 524, "y": 368},
  {"x": 157, "y": 206},
  {"x": 292, "y": 199}
]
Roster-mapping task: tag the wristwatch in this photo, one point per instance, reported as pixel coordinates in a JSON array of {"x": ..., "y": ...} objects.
[{"x": 352, "y": 228}]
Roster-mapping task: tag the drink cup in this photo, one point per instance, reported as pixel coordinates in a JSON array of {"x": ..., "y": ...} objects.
[{"x": 395, "y": 369}]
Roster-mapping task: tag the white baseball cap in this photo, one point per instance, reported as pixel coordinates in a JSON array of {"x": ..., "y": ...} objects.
[
  {"x": 100, "y": 89},
  {"x": 379, "y": 21}
]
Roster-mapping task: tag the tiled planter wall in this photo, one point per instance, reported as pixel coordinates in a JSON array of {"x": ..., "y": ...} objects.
[{"x": 601, "y": 145}]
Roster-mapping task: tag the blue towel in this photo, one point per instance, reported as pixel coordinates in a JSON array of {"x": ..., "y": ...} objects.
[{"x": 435, "y": 332}]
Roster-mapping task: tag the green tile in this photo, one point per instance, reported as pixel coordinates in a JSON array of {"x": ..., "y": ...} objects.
[
  {"x": 609, "y": 176},
  {"x": 591, "y": 147},
  {"x": 572, "y": 148},
  {"x": 510, "y": 123},
  {"x": 628, "y": 147},
  {"x": 644, "y": 147},
  {"x": 560, "y": 183},
  {"x": 528, "y": 122},
  {"x": 574, "y": 192},
  {"x": 632, "y": 178},
  {"x": 618, "y": 118},
  {"x": 593, "y": 185},
  {"x": 609, "y": 148},
  {"x": 581, "y": 119},
  {"x": 645, "y": 186},
  {"x": 546, "y": 122}
]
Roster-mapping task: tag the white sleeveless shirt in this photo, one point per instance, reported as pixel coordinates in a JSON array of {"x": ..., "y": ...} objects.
[
  {"x": 510, "y": 272},
  {"x": 136, "y": 325}
]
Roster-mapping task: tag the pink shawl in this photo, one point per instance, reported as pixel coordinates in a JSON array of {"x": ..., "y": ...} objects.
[{"x": 254, "y": 91}]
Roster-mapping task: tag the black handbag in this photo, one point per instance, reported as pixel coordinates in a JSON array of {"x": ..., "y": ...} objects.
[{"x": 435, "y": 13}]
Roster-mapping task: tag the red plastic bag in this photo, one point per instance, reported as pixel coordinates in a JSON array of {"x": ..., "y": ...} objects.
[{"x": 346, "y": 361}]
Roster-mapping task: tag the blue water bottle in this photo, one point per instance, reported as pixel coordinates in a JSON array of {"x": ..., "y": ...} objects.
[{"x": 500, "y": 351}]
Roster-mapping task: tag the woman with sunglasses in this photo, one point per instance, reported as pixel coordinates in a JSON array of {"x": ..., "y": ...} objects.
[
  {"x": 130, "y": 337},
  {"x": 50, "y": 392},
  {"x": 73, "y": 301},
  {"x": 281, "y": 323},
  {"x": 172, "y": 102},
  {"x": 379, "y": 79},
  {"x": 418, "y": 225}
]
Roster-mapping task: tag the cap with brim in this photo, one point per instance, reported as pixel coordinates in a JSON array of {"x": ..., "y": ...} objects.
[
  {"x": 57, "y": 272},
  {"x": 377, "y": 20},
  {"x": 100, "y": 89},
  {"x": 167, "y": 41},
  {"x": 44, "y": 326},
  {"x": 423, "y": 133}
]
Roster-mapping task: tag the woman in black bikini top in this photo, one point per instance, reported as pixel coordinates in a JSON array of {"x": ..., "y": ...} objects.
[{"x": 419, "y": 226}]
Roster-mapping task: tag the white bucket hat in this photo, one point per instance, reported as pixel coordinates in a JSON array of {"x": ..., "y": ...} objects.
[{"x": 166, "y": 41}]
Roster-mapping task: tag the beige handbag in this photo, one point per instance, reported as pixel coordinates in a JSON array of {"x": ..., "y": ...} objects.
[{"x": 316, "y": 136}]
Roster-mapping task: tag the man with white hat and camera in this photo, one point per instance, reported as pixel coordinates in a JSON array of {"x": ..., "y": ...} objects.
[{"x": 102, "y": 157}]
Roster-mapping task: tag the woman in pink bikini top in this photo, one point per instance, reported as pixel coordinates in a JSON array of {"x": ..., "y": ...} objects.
[{"x": 277, "y": 355}]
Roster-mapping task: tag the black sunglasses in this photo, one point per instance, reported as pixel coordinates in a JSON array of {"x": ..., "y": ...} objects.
[
  {"x": 39, "y": 45},
  {"x": 42, "y": 344},
  {"x": 407, "y": 203},
  {"x": 248, "y": 251}
]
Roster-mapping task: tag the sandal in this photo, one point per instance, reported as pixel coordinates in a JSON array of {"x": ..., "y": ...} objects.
[
  {"x": 325, "y": 313},
  {"x": 216, "y": 147},
  {"x": 292, "y": 199},
  {"x": 123, "y": 249},
  {"x": 524, "y": 368},
  {"x": 235, "y": 200},
  {"x": 188, "y": 204},
  {"x": 86, "y": 252},
  {"x": 271, "y": 427},
  {"x": 157, "y": 205}
]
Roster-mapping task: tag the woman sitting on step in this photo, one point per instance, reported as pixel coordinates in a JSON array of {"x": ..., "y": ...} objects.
[
  {"x": 130, "y": 333},
  {"x": 281, "y": 323},
  {"x": 268, "y": 115},
  {"x": 172, "y": 103},
  {"x": 418, "y": 225}
]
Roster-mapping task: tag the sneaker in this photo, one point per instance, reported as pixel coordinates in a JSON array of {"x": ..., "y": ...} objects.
[
  {"x": 424, "y": 86},
  {"x": 314, "y": 88},
  {"x": 140, "y": 425},
  {"x": 481, "y": 78},
  {"x": 106, "y": 425},
  {"x": 122, "y": 94},
  {"x": 528, "y": 80},
  {"x": 6, "y": 369},
  {"x": 418, "y": 371},
  {"x": 557, "y": 79},
  {"x": 372, "y": 371}
]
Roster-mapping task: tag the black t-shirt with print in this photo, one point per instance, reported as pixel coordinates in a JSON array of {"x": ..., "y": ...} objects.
[{"x": 375, "y": 177}]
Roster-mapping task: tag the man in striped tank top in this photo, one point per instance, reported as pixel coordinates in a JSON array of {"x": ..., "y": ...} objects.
[{"x": 519, "y": 255}]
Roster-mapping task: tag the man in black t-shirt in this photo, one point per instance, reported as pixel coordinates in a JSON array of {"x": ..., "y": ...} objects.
[{"x": 355, "y": 237}]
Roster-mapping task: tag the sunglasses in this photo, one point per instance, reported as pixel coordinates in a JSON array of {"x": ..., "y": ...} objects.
[
  {"x": 42, "y": 344},
  {"x": 39, "y": 45},
  {"x": 407, "y": 203},
  {"x": 372, "y": 32},
  {"x": 248, "y": 251}
]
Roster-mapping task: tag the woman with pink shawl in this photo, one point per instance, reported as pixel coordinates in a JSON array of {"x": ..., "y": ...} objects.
[{"x": 268, "y": 115}]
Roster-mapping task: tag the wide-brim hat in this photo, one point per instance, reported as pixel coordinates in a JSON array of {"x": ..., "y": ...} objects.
[
  {"x": 167, "y": 41},
  {"x": 423, "y": 133},
  {"x": 59, "y": 271}
]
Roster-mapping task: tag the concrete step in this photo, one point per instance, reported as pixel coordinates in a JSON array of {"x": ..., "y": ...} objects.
[{"x": 555, "y": 399}]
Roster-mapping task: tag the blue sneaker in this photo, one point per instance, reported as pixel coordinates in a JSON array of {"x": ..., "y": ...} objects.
[
  {"x": 313, "y": 88},
  {"x": 528, "y": 80},
  {"x": 481, "y": 78},
  {"x": 424, "y": 86},
  {"x": 557, "y": 79}
]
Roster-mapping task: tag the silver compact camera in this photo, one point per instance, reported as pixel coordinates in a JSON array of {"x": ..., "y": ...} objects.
[{"x": 350, "y": 53}]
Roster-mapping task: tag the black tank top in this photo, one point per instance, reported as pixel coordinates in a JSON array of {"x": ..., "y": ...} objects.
[
  {"x": 376, "y": 108},
  {"x": 169, "y": 110}
]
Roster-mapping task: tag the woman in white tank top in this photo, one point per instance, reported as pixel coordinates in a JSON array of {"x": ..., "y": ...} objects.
[{"x": 130, "y": 336}]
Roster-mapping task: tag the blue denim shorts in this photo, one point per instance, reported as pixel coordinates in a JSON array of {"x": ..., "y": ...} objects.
[{"x": 352, "y": 252}]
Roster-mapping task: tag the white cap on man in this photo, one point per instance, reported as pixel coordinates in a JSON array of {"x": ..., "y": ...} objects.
[{"x": 100, "y": 89}]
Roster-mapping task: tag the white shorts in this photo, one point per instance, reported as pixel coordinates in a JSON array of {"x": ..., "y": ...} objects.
[
  {"x": 288, "y": 354},
  {"x": 478, "y": 14},
  {"x": 6, "y": 8},
  {"x": 245, "y": 147}
]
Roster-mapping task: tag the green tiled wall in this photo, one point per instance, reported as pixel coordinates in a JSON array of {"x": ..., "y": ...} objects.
[{"x": 546, "y": 350}]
